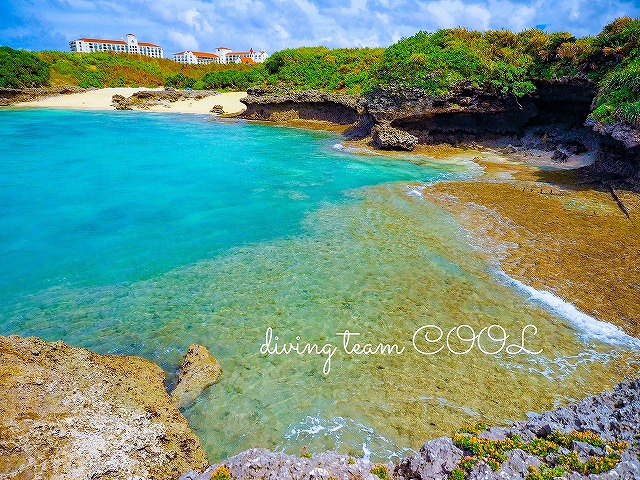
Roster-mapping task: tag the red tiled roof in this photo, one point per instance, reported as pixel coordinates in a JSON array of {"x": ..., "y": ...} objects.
[
  {"x": 179, "y": 53},
  {"x": 238, "y": 53},
  {"x": 247, "y": 60},
  {"x": 224, "y": 48},
  {"x": 117, "y": 42},
  {"x": 205, "y": 54},
  {"x": 97, "y": 40}
]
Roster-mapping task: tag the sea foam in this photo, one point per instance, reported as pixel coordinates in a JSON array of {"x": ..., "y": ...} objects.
[{"x": 589, "y": 327}]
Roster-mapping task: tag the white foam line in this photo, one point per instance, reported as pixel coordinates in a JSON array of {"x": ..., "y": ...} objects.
[{"x": 590, "y": 328}]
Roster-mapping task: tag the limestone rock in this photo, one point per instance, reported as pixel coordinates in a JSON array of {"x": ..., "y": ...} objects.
[
  {"x": 145, "y": 99},
  {"x": 435, "y": 460},
  {"x": 118, "y": 100},
  {"x": 627, "y": 135},
  {"x": 69, "y": 413},
  {"x": 198, "y": 371},
  {"x": 307, "y": 105},
  {"x": 9, "y": 96},
  {"x": 259, "y": 463},
  {"x": 389, "y": 138}
]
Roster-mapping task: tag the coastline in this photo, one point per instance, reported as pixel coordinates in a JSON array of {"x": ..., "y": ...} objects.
[
  {"x": 101, "y": 99},
  {"x": 516, "y": 193}
]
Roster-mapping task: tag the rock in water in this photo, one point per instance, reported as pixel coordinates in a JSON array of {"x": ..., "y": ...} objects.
[
  {"x": 68, "y": 413},
  {"x": 389, "y": 138},
  {"x": 198, "y": 371}
]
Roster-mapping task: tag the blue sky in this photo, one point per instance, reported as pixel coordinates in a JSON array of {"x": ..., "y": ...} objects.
[{"x": 275, "y": 24}]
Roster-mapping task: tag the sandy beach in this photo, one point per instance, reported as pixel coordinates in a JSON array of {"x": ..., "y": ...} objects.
[{"x": 101, "y": 100}]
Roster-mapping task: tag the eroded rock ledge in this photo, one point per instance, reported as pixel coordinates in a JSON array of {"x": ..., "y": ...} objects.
[
  {"x": 345, "y": 111},
  {"x": 548, "y": 125},
  {"x": 69, "y": 413}
]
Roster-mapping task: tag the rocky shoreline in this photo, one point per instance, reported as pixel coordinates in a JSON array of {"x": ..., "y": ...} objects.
[
  {"x": 11, "y": 96},
  {"x": 552, "y": 124},
  {"x": 601, "y": 428},
  {"x": 70, "y": 413}
]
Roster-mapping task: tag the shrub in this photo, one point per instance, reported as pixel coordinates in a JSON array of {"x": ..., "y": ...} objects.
[{"x": 19, "y": 68}]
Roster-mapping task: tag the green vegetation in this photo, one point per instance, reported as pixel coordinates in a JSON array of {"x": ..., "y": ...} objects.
[
  {"x": 109, "y": 69},
  {"x": 343, "y": 69},
  {"x": 619, "y": 96},
  {"x": 438, "y": 63},
  {"x": 493, "y": 452},
  {"x": 381, "y": 471},
  {"x": 221, "y": 473},
  {"x": 19, "y": 69}
]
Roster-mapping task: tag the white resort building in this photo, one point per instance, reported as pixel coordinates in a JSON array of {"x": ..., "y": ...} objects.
[
  {"x": 190, "y": 56},
  {"x": 222, "y": 55},
  {"x": 129, "y": 45}
]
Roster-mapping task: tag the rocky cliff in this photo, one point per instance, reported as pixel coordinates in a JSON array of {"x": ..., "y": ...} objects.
[
  {"x": 550, "y": 124},
  {"x": 348, "y": 112},
  {"x": 69, "y": 413}
]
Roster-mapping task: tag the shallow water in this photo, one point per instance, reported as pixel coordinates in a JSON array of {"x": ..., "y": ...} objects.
[{"x": 140, "y": 234}]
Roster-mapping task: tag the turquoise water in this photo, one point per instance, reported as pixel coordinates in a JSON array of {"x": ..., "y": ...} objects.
[{"x": 142, "y": 233}]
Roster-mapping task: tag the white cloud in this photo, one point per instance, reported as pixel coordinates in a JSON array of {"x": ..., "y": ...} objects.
[
  {"x": 185, "y": 41},
  {"x": 277, "y": 24},
  {"x": 282, "y": 33},
  {"x": 193, "y": 18}
]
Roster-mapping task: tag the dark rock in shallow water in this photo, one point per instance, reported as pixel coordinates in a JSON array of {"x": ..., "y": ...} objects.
[{"x": 389, "y": 138}]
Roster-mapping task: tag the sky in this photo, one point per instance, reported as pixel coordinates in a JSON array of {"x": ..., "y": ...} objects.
[{"x": 276, "y": 24}]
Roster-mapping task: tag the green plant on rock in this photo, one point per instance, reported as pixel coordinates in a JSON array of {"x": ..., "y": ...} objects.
[
  {"x": 493, "y": 452},
  {"x": 221, "y": 473},
  {"x": 381, "y": 471},
  {"x": 473, "y": 428},
  {"x": 457, "y": 474},
  {"x": 545, "y": 473}
]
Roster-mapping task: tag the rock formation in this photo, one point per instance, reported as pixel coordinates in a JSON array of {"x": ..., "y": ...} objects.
[
  {"x": 262, "y": 464},
  {"x": 145, "y": 99},
  {"x": 389, "y": 138},
  {"x": 68, "y": 413},
  {"x": 198, "y": 371},
  {"x": 612, "y": 416}
]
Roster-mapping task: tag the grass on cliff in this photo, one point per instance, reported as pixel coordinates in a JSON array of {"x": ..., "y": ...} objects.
[{"x": 619, "y": 95}]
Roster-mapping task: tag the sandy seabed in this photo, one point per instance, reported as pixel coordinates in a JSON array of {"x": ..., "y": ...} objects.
[{"x": 101, "y": 100}]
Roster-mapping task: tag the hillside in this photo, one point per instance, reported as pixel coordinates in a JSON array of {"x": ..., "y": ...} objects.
[{"x": 437, "y": 63}]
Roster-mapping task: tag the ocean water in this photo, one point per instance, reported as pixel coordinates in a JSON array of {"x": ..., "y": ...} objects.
[{"x": 143, "y": 233}]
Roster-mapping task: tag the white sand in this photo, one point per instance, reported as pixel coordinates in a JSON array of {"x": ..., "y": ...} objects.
[{"x": 101, "y": 100}]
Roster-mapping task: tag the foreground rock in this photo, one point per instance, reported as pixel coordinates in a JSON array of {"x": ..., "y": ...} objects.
[
  {"x": 68, "y": 413},
  {"x": 262, "y": 464},
  {"x": 198, "y": 371},
  {"x": 612, "y": 415}
]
